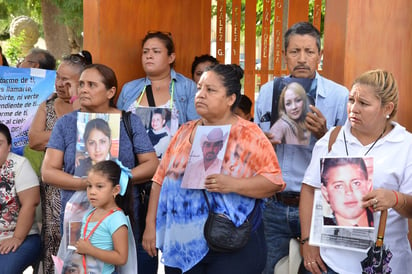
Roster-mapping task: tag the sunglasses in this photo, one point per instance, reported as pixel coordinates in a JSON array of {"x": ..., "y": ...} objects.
[{"x": 77, "y": 58}]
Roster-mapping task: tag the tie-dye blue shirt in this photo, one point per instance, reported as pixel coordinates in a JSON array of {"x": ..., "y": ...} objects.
[{"x": 182, "y": 213}]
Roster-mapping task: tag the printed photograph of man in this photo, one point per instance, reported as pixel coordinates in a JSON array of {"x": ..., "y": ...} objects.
[
  {"x": 211, "y": 144},
  {"x": 344, "y": 182}
]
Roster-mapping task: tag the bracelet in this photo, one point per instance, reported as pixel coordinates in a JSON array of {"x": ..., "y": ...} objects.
[
  {"x": 302, "y": 241},
  {"x": 397, "y": 200}
]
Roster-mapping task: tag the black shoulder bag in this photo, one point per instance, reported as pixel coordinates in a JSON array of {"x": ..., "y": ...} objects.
[
  {"x": 222, "y": 235},
  {"x": 144, "y": 188}
]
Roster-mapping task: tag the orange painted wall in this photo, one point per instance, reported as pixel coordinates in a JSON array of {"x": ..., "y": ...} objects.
[
  {"x": 368, "y": 34},
  {"x": 359, "y": 35},
  {"x": 113, "y": 31}
]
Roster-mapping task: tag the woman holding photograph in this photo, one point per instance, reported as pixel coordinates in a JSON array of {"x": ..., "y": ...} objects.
[
  {"x": 159, "y": 133},
  {"x": 98, "y": 87},
  {"x": 162, "y": 87},
  {"x": 369, "y": 131},
  {"x": 66, "y": 83},
  {"x": 344, "y": 183},
  {"x": 97, "y": 141},
  {"x": 168, "y": 88},
  {"x": 293, "y": 106},
  {"x": 250, "y": 172}
]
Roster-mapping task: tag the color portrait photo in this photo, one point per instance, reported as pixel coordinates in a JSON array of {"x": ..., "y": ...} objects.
[
  {"x": 206, "y": 155},
  {"x": 293, "y": 106},
  {"x": 159, "y": 126},
  {"x": 97, "y": 140},
  {"x": 344, "y": 182}
]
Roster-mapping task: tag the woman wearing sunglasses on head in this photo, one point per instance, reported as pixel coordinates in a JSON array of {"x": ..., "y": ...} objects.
[
  {"x": 67, "y": 80},
  {"x": 97, "y": 90},
  {"x": 169, "y": 88}
]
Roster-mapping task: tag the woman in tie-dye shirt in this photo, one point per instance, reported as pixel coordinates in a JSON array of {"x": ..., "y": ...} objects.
[{"x": 249, "y": 172}]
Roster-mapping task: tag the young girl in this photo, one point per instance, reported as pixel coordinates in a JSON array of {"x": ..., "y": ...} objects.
[{"x": 104, "y": 232}]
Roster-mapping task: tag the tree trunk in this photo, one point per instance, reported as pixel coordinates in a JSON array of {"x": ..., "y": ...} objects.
[
  {"x": 55, "y": 33},
  {"x": 75, "y": 41}
]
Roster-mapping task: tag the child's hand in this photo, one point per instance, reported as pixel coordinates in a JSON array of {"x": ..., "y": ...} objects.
[{"x": 83, "y": 246}]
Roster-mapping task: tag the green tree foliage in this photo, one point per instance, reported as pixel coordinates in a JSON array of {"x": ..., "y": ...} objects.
[
  {"x": 322, "y": 16},
  {"x": 259, "y": 13},
  {"x": 10, "y": 9},
  {"x": 71, "y": 14},
  {"x": 13, "y": 51}
]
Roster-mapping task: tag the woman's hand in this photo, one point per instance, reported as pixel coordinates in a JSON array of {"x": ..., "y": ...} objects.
[
  {"x": 311, "y": 254},
  {"x": 380, "y": 199},
  {"x": 149, "y": 235},
  {"x": 79, "y": 157},
  {"x": 10, "y": 244},
  {"x": 83, "y": 246},
  {"x": 149, "y": 240},
  {"x": 257, "y": 186},
  {"x": 219, "y": 183},
  {"x": 52, "y": 172},
  {"x": 312, "y": 260}
]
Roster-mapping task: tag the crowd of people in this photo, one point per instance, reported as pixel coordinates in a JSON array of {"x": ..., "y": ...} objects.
[{"x": 307, "y": 135}]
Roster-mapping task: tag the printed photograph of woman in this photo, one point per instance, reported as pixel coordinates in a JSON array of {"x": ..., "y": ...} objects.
[{"x": 293, "y": 106}]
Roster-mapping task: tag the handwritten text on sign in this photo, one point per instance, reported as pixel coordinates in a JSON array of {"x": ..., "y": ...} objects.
[{"x": 21, "y": 92}]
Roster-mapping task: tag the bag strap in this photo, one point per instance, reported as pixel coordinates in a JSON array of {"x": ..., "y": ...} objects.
[
  {"x": 207, "y": 200},
  {"x": 128, "y": 126},
  {"x": 251, "y": 215},
  {"x": 92, "y": 231},
  {"x": 275, "y": 100},
  {"x": 333, "y": 136},
  {"x": 149, "y": 96}
]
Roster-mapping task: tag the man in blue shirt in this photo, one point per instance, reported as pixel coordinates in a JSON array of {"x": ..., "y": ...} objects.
[{"x": 302, "y": 53}]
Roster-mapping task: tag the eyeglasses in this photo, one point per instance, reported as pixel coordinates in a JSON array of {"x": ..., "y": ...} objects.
[
  {"x": 21, "y": 61},
  {"x": 76, "y": 59}
]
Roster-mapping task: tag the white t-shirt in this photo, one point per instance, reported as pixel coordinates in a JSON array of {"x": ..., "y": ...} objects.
[
  {"x": 392, "y": 170},
  {"x": 18, "y": 174}
]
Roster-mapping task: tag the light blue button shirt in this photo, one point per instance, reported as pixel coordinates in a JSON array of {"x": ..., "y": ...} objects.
[{"x": 183, "y": 98}]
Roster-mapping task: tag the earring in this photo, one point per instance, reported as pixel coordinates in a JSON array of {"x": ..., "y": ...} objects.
[{"x": 387, "y": 116}]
